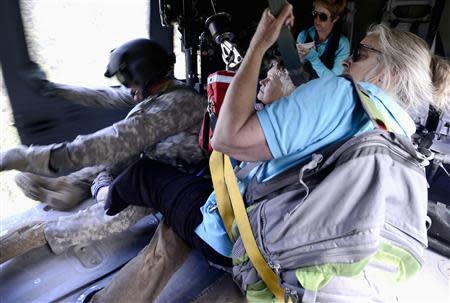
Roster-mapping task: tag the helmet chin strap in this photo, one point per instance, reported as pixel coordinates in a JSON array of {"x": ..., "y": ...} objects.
[{"x": 155, "y": 87}]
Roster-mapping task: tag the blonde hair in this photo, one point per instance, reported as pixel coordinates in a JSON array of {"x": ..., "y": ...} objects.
[
  {"x": 336, "y": 7},
  {"x": 406, "y": 58},
  {"x": 440, "y": 74}
]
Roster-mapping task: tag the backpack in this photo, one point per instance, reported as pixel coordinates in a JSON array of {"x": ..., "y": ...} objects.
[
  {"x": 320, "y": 229},
  {"x": 328, "y": 219}
]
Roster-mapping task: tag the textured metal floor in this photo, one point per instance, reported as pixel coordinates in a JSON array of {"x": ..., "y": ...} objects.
[{"x": 41, "y": 276}]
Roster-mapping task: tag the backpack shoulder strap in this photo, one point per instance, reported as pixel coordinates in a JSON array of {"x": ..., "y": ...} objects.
[
  {"x": 256, "y": 190},
  {"x": 330, "y": 155},
  {"x": 376, "y": 116}
]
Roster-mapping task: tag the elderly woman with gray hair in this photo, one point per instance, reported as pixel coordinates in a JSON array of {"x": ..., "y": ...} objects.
[{"x": 392, "y": 69}]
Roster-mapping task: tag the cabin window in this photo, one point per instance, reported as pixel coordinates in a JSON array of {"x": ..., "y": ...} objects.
[
  {"x": 12, "y": 201},
  {"x": 71, "y": 39}
]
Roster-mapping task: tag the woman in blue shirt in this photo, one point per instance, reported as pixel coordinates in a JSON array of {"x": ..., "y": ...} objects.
[
  {"x": 330, "y": 47},
  {"x": 392, "y": 67},
  {"x": 179, "y": 196}
]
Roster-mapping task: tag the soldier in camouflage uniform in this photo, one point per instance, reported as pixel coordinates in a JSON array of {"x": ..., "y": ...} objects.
[{"x": 163, "y": 124}]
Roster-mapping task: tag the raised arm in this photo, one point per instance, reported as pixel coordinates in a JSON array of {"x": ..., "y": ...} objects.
[
  {"x": 104, "y": 97},
  {"x": 238, "y": 132},
  {"x": 168, "y": 115}
]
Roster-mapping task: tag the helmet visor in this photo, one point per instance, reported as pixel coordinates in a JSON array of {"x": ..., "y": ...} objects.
[{"x": 124, "y": 77}]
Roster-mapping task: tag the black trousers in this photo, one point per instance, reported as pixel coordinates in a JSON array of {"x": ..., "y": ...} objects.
[{"x": 177, "y": 195}]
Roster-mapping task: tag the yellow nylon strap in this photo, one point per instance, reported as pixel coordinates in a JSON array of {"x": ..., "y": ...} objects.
[
  {"x": 231, "y": 204},
  {"x": 374, "y": 114},
  {"x": 216, "y": 165},
  {"x": 245, "y": 230}
]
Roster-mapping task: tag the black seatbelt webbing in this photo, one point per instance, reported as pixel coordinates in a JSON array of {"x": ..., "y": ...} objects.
[{"x": 286, "y": 45}]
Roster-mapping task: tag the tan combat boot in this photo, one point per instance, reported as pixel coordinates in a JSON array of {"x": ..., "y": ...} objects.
[
  {"x": 61, "y": 193},
  {"x": 22, "y": 240},
  {"x": 81, "y": 228}
]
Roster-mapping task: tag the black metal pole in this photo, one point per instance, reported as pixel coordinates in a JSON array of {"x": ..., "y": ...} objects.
[
  {"x": 157, "y": 32},
  {"x": 190, "y": 44},
  {"x": 435, "y": 20}
]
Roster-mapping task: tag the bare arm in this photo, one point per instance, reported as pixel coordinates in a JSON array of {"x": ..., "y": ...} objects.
[{"x": 238, "y": 132}]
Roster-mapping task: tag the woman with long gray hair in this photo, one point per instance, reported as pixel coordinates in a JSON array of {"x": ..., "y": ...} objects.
[
  {"x": 405, "y": 79},
  {"x": 392, "y": 69}
]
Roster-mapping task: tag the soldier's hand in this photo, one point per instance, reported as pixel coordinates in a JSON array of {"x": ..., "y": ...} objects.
[
  {"x": 14, "y": 158},
  {"x": 33, "y": 159}
]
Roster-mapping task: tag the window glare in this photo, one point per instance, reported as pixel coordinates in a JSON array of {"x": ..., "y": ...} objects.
[{"x": 71, "y": 39}]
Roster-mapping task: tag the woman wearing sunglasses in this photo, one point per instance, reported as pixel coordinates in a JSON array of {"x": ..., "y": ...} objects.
[
  {"x": 390, "y": 66},
  {"x": 322, "y": 48}
]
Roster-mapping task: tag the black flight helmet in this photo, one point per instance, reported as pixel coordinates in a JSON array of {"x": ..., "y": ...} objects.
[{"x": 140, "y": 61}]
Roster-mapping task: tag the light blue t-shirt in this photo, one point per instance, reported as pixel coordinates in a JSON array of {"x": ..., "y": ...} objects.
[
  {"x": 318, "y": 113},
  {"x": 342, "y": 52}
]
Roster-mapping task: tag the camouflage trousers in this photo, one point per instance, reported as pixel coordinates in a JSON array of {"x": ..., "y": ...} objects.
[
  {"x": 164, "y": 272},
  {"x": 89, "y": 224}
]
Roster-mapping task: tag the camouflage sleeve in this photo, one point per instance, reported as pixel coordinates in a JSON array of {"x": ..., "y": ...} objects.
[
  {"x": 105, "y": 97},
  {"x": 165, "y": 116}
]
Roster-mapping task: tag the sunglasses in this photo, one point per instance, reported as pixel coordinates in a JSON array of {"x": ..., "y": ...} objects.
[
  {"x": 356, "y": 55},
  {"x": 322, "y": 16}
]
